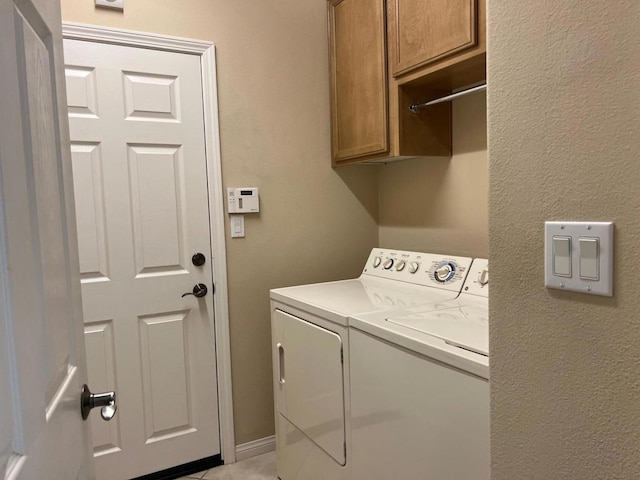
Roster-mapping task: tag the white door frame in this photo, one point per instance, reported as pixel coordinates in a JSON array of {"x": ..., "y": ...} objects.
[{"x": 206, "y": 51}]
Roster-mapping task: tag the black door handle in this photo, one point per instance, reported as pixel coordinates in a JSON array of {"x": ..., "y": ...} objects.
[{"x": 199, "y": 291}]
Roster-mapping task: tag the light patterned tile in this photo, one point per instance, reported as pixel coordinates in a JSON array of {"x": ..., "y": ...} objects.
[{"x": 261, "y": 467}]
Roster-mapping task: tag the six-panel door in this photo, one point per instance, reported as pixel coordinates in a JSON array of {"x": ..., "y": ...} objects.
[{"x": 139, "y": 168}]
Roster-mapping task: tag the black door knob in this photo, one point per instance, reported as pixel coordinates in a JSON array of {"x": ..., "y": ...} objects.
[
  {"x": 199, "y": 291},
  {"x": 198, "y": 259}
]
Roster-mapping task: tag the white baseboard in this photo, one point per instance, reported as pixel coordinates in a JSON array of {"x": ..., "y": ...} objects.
[{"x": 255, "y": 447}]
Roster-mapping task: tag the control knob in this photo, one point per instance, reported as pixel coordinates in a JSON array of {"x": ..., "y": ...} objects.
[
  {"x": 413, "y": 267},
  {"x": 444, "y": 272},
  {"x": 376, "y": 262},
  {"x": 388, "y": 263},
  {"x": 400, "y": 265},
  {"x": 483, "y": 277}
]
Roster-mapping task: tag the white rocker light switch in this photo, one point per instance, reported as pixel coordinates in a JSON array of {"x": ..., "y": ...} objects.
[
  {"x": 562, "y": 256},
  {"x": 589, "y": 258}
]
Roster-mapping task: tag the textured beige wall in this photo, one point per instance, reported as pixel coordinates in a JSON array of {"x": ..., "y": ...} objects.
[
  {"x": 438, "y": 204},
  {"x": 315, "y": 223},
  {"x": 564, "y": 144}
]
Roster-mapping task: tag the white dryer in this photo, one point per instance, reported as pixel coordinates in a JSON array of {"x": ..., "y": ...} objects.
[
  {"x": 420, "y": 390},
  {"x": 310, "y": 339}
]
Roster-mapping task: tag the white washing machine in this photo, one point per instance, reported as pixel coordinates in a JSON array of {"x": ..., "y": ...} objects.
[
  {"x": 310, "y": 338},
  {"x": 420, "y": 390}
]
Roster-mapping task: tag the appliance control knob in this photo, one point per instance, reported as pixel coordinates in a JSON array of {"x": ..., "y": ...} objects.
[
  {"x": 483, "y": 277},
  {"x": 388, "y": 263},
  {"x": 442, "y": 273},
  {"x": 376, "y": 262},
  {"x": 400, "y": 265},
  {"x": 413, "y": 267}
]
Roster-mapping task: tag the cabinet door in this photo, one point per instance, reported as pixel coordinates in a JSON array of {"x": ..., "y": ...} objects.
[
  {"x": 358, "y": 78},
  {"x": 424, "y": 31}
]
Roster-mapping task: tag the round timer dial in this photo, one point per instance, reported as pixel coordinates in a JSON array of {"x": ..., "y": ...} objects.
[{"x": 444, "y": 272}]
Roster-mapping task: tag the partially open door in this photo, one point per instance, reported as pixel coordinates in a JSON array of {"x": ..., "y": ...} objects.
[{"x": 42, "y": 359}]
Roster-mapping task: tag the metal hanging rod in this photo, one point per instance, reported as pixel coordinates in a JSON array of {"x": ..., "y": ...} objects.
[{"x": 416, "y": 107}]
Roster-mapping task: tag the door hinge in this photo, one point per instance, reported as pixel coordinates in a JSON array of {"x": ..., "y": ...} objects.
[{"x": 341, "y": 355}]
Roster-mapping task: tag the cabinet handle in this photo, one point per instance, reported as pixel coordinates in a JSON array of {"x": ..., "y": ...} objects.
[{"x": 280, "y": 363}]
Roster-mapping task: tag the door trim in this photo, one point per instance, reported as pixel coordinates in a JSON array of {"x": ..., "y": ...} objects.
[{"x": 206, "y": 52}]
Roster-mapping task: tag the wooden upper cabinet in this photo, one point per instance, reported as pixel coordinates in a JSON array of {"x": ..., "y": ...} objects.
[
  {"x": 386, "y": 55},
  {"x": 425, "y": 31},
  {"x": 358, "y": 62}
]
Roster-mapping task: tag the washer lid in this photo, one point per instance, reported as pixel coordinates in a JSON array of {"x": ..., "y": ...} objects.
[{"x": 464, "y": 325}]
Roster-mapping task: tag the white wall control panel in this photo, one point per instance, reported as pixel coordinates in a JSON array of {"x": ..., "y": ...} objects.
[
  {"x": 579, "y": 256},
  {"x": 243, "y": 200},
  {"x": 115, "y": 4}
]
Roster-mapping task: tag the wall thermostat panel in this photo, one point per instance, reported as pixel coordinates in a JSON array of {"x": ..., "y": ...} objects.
[{"x": 243, "y": 200}]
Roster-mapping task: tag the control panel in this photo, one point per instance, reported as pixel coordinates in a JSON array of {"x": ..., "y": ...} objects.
[
  {"x": 477, "y": 282},
  {"x": 243, "y": 200},
  {"x": 427, "y": 269}
]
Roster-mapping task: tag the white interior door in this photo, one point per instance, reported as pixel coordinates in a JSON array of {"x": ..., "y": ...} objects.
[
  {"x": 137, "y": 141},
  {"x": 42, "y": 369}
]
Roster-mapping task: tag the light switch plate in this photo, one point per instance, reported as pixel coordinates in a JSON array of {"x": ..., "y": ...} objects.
[
  {"x": 237, "y": 226},
  {"x": 114, "y": 4},
  {"x": 603, "y": 231}
]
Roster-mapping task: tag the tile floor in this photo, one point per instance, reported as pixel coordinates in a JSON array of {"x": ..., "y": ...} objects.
[{"x": 261, "y": 467}]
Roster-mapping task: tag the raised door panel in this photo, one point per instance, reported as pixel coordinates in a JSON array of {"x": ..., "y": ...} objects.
[
  {"x": 100, "y": 345},
  {"x": 151, "y": 97},
  {"x": 90, "y": 211},
  {"x": 82, "y": 98},
  {"x": 166, "y": 382},
  {"x": 358, "y": 78},
  {"x": 158, "y": 209},
  {"x": 424, "y": 31}
]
